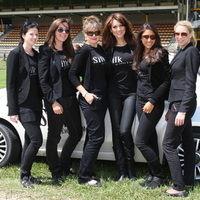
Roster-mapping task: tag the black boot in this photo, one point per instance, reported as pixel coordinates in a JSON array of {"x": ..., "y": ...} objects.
[
  {"x": 147, "y": 181},
  {"x": 119, "y": 157},
  {"x": 158, "y": 176},
  {"x": 129, "y": 153}
]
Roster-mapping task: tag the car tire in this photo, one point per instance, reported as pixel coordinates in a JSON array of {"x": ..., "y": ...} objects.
[
  {"x": 10, "y": 146},
  {"x": 196, "y": 134}
]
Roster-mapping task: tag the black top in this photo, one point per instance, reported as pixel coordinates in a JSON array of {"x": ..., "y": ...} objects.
[
  {"x": 123, "y": 78},
  {"x": 154, "y": 81},
  {"x": 90, "y": 64},
  {"x": 33, "y": 100}
]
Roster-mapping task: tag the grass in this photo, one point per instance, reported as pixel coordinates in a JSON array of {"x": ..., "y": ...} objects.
[
  {"x": 2, "y": 74},
  {"x": 10, "y": 187}
]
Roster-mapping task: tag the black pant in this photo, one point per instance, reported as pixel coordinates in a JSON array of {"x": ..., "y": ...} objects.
[
  {"x": 146, "y": 137},
  {"x": 94, "y": 115},
  {"x": 171, "y": 141},
  {"x": 122, "y": 112},
  {"x": 30, "y": 120},
  {"x": 71, "y": 117}
]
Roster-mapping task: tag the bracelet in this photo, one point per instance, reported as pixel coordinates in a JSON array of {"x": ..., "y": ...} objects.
[
  {"x": 84, "y": 93},
  {"x": 184, "y": 113}
]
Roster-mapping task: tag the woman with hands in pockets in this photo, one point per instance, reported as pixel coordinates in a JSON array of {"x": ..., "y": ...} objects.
[
  {"x": 90, "y": 64},
  {"x": 182, "y": 98}
]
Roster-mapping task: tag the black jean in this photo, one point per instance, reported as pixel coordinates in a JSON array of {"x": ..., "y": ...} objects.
[
  {"x": 30, "y": 120},
  {"x": 172, "y": 139},
  {"x": 94, "y": 115},
  {"x": 146, "y": 136},
  {"x": 122, "y": 111},
  {"x": 72, "y": 119}
]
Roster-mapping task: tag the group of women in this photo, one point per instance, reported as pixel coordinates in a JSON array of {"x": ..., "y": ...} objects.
[{"x": 128, "y": 75}]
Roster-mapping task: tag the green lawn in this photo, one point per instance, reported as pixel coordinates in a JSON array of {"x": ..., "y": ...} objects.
[
  {"x": 2, "y": 74},
  {"x": 10, "y": 187}
]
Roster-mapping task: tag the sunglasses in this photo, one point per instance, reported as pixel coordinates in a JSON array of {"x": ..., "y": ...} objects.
[
  {"x": 28, "y": 23},
  {"x": 60, "y": 30},
  {"x": 91, "y": 33},
  {"x": 152, "y": 37},
  {"x": 176, "y": 34}
]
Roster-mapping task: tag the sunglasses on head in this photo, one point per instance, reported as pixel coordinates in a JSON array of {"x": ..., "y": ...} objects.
[
  {"x": 28, "y": 23},
  {"x": 60, "y": 30},
  {"x": 91, "y": 33},
  {"x": 152, "y": 37},
  {"x": 176, "y": 34}
]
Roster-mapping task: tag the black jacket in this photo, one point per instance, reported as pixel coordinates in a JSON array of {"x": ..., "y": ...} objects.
[
  {"x": 18, "y": 80},
  {"x": 185, "y": 66}
]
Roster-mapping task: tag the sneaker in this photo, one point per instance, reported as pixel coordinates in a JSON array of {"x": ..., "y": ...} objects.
[
  {"x": 25, "y": 181},
  {"x": 94, "y": 183},
  {"x": 35, "y": 180}
]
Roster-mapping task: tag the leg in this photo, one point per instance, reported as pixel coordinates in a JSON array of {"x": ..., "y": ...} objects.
[
  {"x": 94, "y": 115},
  {"x": 115, "y": 105},
  {"x": 73, "y": 122},
  {"x": 128, "y": 114}
]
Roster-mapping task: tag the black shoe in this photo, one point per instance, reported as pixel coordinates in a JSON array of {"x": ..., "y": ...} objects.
[
  {"x": 35, "y": 180},
  {"x": 147, "y": 181},
  {"x": 25, "y": 181},
  {"x": 57, "y": 179},
  {"x": 156, "y": 182},
  {"x": 180, "y": 194}
]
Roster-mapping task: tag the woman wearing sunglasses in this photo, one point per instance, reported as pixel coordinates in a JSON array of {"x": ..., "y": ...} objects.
[
  {"x": 182, "y": 98},
  {"x": 60, "y": 99},
  {"x": 25, "y": 97},
  {"x": 153, "y": 69},
  {"x": 90, "y": 64},
  {"x": 119, "y": 43}
]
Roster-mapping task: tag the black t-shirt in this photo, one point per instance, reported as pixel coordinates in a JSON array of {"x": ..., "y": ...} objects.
[
  {"x": 33, "y": 100},
  {"x": 144, "y": 88},
  {"x": 67, "y": 88},
  {"x": 123, "y": 78},
  {"x": 98, "y": 70}
]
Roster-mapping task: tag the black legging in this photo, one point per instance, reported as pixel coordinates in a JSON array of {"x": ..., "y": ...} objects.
[
  {"x": 146, "y": 136},
  {"x": 122, "y": 112},
  {"x": 33, "y": 140}
]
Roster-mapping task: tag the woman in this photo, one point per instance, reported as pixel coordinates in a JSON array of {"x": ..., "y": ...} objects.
[
  {"x": 59, "y": 97},
  {"x": 119, "y": 42},
  {"x": 151, "y": 63},
  {"x": 92, "y": 97},
  {"x": 182, "y": 98},
  {"x": 25, "y": 97}
]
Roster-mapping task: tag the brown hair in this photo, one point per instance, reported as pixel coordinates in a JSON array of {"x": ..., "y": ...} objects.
[
  {"x": 155, "y": 53},
  {"x": 50, "y": 37},
  {"x": 108, "y": 39}
]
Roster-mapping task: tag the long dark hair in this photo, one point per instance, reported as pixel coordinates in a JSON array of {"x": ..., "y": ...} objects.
[
  {"x": 108, "y": 39},
  {"x": 155, "y": 53},
  {"x": 50, "y": 37},
  {"x": 27, "y": 25}
]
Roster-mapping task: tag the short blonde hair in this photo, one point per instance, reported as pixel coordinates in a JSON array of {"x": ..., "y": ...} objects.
[
  {"x": 190, "y": 28},
  {"x": 90, "y": 23}
]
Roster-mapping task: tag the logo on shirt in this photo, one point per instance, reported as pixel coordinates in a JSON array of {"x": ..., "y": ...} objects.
[{"x": 98, "y": 59}]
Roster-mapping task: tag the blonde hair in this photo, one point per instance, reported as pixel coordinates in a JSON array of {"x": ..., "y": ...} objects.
[
  {"x": 190, "y": 28},
  {"x": 90, "y": 23}
]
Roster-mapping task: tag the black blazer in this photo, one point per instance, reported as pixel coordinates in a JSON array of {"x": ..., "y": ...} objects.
[
  {"x": 17, "y": 80},
  {"x": 184, "y": 70},
  {"x": 49, "y": 70}
]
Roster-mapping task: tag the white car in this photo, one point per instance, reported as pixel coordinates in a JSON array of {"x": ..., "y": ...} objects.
[{"x": 12, "y": 136}]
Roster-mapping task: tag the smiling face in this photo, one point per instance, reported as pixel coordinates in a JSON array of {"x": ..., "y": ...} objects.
[
  {"x": 117, "y": 29},
  {"x": 31, "y": 36},
  {"x": 92, "y": 36},
  {"x": 182, "y": 35},
  {"x": 148, "y": 39},
  {"x": 61, "y": 36}
]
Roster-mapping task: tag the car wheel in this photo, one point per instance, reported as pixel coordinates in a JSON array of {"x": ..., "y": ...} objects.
[
  {"x": 10, "y": 146},
  {"x": 196, "y": 133}
]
